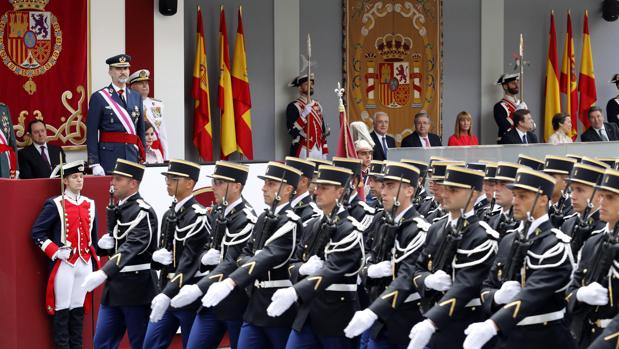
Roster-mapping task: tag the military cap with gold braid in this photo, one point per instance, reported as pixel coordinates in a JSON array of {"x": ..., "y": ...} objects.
[
  {"x": 439, "y": 168},
  {"x": 593, "y": 162},
  {"x": 586, "y": 174},
  {"x": 352, "y": 164},
  {"x": 576, "y": 157},
  {"x": 119, "y": 61},
  {"x": 230, "y": 172},
  {"x": 422, "y": 166},
  {"x": 140, "y": 75},
  {"x": 281, "y": 173},
  {"x": 396, "y": 170},
  {"x": 305, "y": 166},
  {"x": 490, "y": 170},
  {"x": 376, "y": 168},
  {"x": 531, "y": 162},
  {"x": 558, "y": 164},
  {"x": 610, "y": 181},
  {"x": 129, "y": 169},
  {"x": 182, "y": 168},
  {"x": 506, "y": 171},
  {"x": 461, "y": 177},
  {"x": 529, "y": 179},
  {"x": 318, "y": 162},
  {"x": 333, "y": 175},
  {"x": 476, "y": 166},
  {"x": 611, "y": 162}
]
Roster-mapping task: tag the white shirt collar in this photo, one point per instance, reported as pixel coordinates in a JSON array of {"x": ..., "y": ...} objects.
[
  {"x": 70, "y": 195},
  {"x": 120, "y": 202},
  {"x": 536, "y": 223},
  {"x": 180, "y": 204},
  {"x": 401, "y": 214},
  {"x": 453, "y": 220},
  {"x": 421, "y": 139},
  {"x": 38, "y": 146},
  {"x": 480, "y": 198},
  {"x": 298, "y": 199},
  {"x": 116, "y": 88},
  {"x": 232, "y": 205},
  {"x": 279, "y": 208},
  {"x": 352, "y": 196},
  {"x": 520, "y": 133}
]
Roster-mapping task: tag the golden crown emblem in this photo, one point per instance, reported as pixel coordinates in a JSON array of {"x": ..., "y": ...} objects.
[
  {"x": 29, "y": 4},
  {"x": 393, "y": 47}
]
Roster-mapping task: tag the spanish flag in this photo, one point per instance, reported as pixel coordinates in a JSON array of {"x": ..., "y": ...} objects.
[
  {"x": 568, "y": 82},
  {"x": 202, "y": 132},
  {"x": 586, "y": 80},
  {"x": 226, "y": 104},
  {"x": 553, "y": 96},
  {"x": 242, "y": 97}
]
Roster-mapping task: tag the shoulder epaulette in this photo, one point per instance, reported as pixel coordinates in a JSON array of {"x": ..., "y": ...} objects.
[
  {"x": 367, "y": 208},
  {"x": 489, "y": 230},
  {"x": 422, "y": 223},
  {"x": 563, "y": 237},
  {"x": 143, "y": 204},
  {"x": 358, "y": 226},
  {"x": 293, "y": 216},
  {"x": 249, "y": 213},
  {"x": 201, "y": 210},
  {"x": 440, "y": 218}
]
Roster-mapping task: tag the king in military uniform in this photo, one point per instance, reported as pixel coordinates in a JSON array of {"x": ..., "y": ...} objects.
[{"x": 8, "y": 145}]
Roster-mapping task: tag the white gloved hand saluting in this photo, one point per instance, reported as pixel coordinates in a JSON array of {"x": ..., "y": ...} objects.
[
  {"x": 162, "y": 256},
  {"x": 211, "y": 257},
  {"x": 379, "y": 270},
  {"x": 438, "y": 281},
  {"x": 361, "y": 321},
  {"x": 187, "y": 295},
  {"x": 282, "y": 300},
  {"x": 106, "y": 242},
  {"x": 312, "y": 266},
  {"x": 593, "y": 294},
  {"x": 508, "y": 291}
]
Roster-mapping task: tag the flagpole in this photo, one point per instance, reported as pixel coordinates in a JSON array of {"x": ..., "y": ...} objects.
[
  {"x": 339, "y": 91},
  {"x": 521, "y": 54},
  {"x": 309, "y": 97}
]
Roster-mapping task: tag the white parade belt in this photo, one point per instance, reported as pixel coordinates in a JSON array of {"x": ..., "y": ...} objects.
[
  {"x": 540, "y": 319},
  {"x": 201, "y": 273},
  {"x": 412, "y": 297},
  {"x": 475, "y": 302},
  {"x": 602, "y": 323},
  {"x": 342, "y": 287},
  {"x": 136, "y": 267},
  {"x": 273, "y": 284}
]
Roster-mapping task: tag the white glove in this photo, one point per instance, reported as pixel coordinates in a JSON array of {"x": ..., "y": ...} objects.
[
  {"x": 593, "y": 294},
  {"x": 187, "y": 295},
  {"x": 508, "y": 291},
  {"x": 308, "y": 109},
  {"x": 162, "y": 256},
  {"x": 478, "y": 334},
  {"x": 106, "y": 242},
  {"x": 282, "y": 300},
  {"x": 93, "y": 280},
  {"x": 439, "y": 281},
  {"x": 361, "y": 321},
  {"x": 159, "y": 305},
  {"x": 216, "y": 293},
  {"x": 312, "y": 266},
  {"x": 420, "y": 334},
  {"x": 211, "y": 257},
  {"x": 63, "y": 254},
  {"x": 97, "y": 170},
  {"x": 379, "y": 270}
]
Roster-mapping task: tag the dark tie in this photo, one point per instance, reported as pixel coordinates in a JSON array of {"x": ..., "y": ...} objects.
[
  {"x": 603, "y": 135},
  {"x": 121, "y": 94},
  {"x": 524, "y": 139},
  {"x": 44, "y": 156},
  {"x": 385, "y": 148}
]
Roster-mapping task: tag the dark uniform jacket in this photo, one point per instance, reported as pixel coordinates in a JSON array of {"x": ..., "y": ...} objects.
[
  {"x": 580, "y": 234},
  {"x": 306, "y": 209},
  {"x": 360, "y": 211},
  {"x": 558, "y": 218},
  {"x": 501, "y": 221}
]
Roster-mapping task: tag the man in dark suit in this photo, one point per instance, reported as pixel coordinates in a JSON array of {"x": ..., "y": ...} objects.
[
  {"x": 520, "y": 133},
  {"x": 599, "y": 131},
  {"x": 382, "y": 141},
  {"x": 422, "y": 138},
  {"x": 38, "y": 159}
]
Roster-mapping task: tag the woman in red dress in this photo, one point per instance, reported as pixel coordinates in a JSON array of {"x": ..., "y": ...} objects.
[{"x": 462, "y": 134}]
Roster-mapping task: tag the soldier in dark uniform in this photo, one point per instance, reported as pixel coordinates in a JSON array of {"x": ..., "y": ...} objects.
[
  {"x": 317, "y": 162},
  {"x": 612, "y": 107},
  {"x": 327, "y": 261},
  {"x": 559, "y": 167},
  {"x": 392, "y": 259},
  {"x": 69, "y": 246},
  {"x": 592, "y": 293},
  {"x": 115, "y": 121},
  {"x": 374, "y": 185},
  {"x": 523, "y": 293},
  {"x": 302, "y": 203},
  {"x": 183, "y": 234},
  {"x": 452, "y": 265},
  {"x": 232, "y": 221},
  {"x": 583, "y": 180},
  {"x": 529, "y": 161},
  {"x": 422, "y": 200},
  {"x": 439, "y": 169},
  {"x": 483, "y": 201},
  {"x": 130, "y": 283},
  {"x": 489, "y": 186},
  {"x": 8, "y": 145},
  {"x": 357, "y": 208},
  {"x": 504, "y": 108},
  {"x": 502, "y": 218},
  {"x": 263, "y": 264}
]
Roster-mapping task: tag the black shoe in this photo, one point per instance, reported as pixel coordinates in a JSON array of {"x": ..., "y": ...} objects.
[
  {"x": 61, "y": 329},
  {"x": 76, "y": 327}
]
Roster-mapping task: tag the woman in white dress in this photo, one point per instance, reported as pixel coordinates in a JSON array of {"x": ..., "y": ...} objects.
[{"x": 562, "y": 124}]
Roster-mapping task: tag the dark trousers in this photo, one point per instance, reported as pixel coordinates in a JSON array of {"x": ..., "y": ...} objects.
[
  {"x": 159, "y": 334},
  {"x": 552, "y": 335},
  {"x": 307, "y": 339},
  {"x": 207, "y": 331},
  {"x": 381, "y": 342},
  {"x": 113, "y": 321},
  {"x": 258, "y": 337}
]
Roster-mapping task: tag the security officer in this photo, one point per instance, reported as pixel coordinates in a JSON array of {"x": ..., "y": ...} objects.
[
  {"x": 392, "y": 261},
  {"x": 153, "y": 110},
  {"x": 130, "y": 284},
  {"x": 504, "y": 108},
  {"x": 329, "y": 257},
  {"x": 231, "y": 227},
  {"x": 559, "y": 167},
  {"x": 115, "y": 121},
  {"x": 452, "y": 265},
  {"x": 502, "y": 219},
  {"x": 302, "y": 203},
  {"x": 523, "y": 292},
  {"x": 263, "y": 264},
  {"x": 8, "y": 145},
  {"x": 69, "y": 246},
  {"x": 183, "y": 234},
  {"x": 357, "y": 208}
]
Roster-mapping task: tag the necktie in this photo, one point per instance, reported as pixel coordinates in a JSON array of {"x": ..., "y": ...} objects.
[
  {"x": 426, "y": 143},
  {"x": 524, "y": 139},
  {"x": 385, "y": 148},
  {"x": 44, "y": 156},
  {"x": 121, "y": 94},
  {"x": 603, "y": 135}
]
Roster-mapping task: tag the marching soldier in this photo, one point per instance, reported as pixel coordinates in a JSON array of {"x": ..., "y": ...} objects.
[
  {"x": 263, "y": 264},
  {"x": 231, "y": 227},
  {"x": 329, "y": 257},
  {"x": 303, "y": 118},
  {"x": 559, "y": 167},
  {"x": 439, "y": 169},
  {"x": 392, "y": 259},
  {"x": 592, "y": 294},
  {"x": 502, "y": 219},
  {"x": 69, "y": 246},
  {"x": 183, "y": 234},
  {"x": 317, "y": 163},
  {"x": 529, "y": 161},
  {"x": 586, "y": 218},
  {"x": 524, "y": 289},
  {"x": 357, "y": 208},
  {"x": 302, "y": 203},
  {"x": 422, "y": 201},
  {"x": 489, "y": 186},
  {"x": 8, "y": 145},
  {"x": 153, "y": 110},
  {"x": 131, "y": 240},
  {"x": 504, "y": 108},
  {"x": 452, "y": 265},
  {"x": 115, "y": 121},
  {"x": 483, "y": 201},
  {"x": 375, "y": 185}
]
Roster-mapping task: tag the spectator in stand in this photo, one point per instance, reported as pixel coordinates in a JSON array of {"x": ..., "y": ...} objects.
[
  {"x": 562, "y": 124},
  {"x": 462, "y": 133}
]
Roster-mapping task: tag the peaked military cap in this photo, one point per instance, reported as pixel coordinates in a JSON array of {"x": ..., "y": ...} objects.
[
  {"x": 558, "y": 164},
  {"x": 490, "y": 171},
  {"x": 282, "y": 173},
  {"x": 506, "y": 171},
  {"x": 505, "y": 78},
  {"x": 610, "y": 181},
  {"x": 576, "y": 157},
  {"x": 461, "y": 177},
  {"x": 69, "y": 168},
  {"x": 396, "y": 170},
  {"x": 439, "y": 169},
  {"x": 352, "y": 164},
  {"x": 140, "y": 75},
  {"x": 586, "y": 174},
  {"x": 333, "y": 175},
  {"x": 531, "y": 162},
  {"x": 305, "y": 166},
  {"x": 129, "y": 169},
  {"x": 376, "y": 168},
  {"x": 593, "y": 162},
  {"x": 183, "y": 168},
  {"x": 529, "y": 179},
  {"x": 120, "y": 61},
  {"x": 421, "y": 165},
  {"x": 230, "y": 172}
]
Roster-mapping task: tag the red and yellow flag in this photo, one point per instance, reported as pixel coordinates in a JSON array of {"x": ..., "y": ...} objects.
[
  {"x": 202, "y": 132},
  {"x": 242, "y": 97},
  {"x": 226, "y": 103},
  {"x": 568, "y": 82},
  {"x": 586, "y": 80},
  {"x": 553, "y": 96}
]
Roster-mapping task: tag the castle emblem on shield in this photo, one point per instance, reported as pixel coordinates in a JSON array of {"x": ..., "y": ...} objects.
[{"x": 31, "y": 40}]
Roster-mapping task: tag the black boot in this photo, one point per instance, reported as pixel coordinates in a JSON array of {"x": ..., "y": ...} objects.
[
  {"x": 76, "y": 327},
  {"x": 61, "y": 329}
]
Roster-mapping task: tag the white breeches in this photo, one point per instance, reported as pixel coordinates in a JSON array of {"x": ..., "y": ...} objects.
[
  {"x": 313, "y": 153},
  {"x": 67, "y": 291}
]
